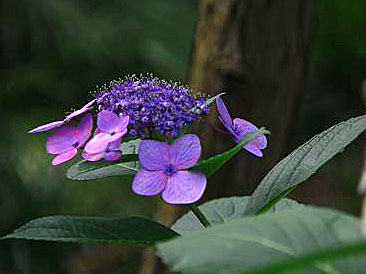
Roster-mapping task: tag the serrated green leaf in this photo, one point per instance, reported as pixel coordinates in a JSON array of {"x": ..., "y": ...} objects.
[
  {"x": 211, "y": 165},
  {"x": 133, "y": 230},
  {"x": 224, "y": 210},
  {"x": 303, "y": 162},
  {"x": 314, "y": 238}
]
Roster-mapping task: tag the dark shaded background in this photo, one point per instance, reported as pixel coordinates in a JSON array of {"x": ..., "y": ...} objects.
[{"x": 53, "y": 53}]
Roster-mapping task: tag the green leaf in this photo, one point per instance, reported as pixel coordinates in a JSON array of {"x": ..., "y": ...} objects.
[
  {"x": 270, "y": 243},
  {"x": 303, "y": 162},
  {"x": 126, "y": 166},
  {"x": 133, "y": 230},
  {"x": 224, "y": 210},
  {"x": 85, "y": 170},
  {"x": 211, "y": 165}
]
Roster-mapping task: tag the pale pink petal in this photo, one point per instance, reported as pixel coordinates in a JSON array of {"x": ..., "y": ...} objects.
[
  {"x": 184, "y": 187},
  {"x": 65, "y": 156},
  {"x": 47, "y": 127},
  {"x": 185, "y": 151},
  {"x": 61, "y": 140},
  {"x": 78, "y": 112},
  {"x": 149, "y": 182},
  {"x": 84, "y": 129},
  {"x": 113, "y": 155},
  {"x": 110, "y": 122},
  {"x": 99, "y": 142},
  {"x": 92, "y": 157},
  {"x": 154, "y": 155}
]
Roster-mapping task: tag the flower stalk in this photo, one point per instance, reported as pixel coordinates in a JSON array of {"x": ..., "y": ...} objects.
[{"x": 198, "y": 213}]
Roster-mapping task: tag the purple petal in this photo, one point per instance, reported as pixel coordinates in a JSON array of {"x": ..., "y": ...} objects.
[
  {"x": 99, "y": 142},
  {"x": 110, "y": 122},
  {"x": 65, "y": 156},
  {"x": 84, "y": 109},
  {"x": 154, "y": 155},
  {"x": 92, "y": 157},
  {"x": 61, "y": 140},
  {"x": 225, "y": 117},
  {"x": 113, "y": 155},
  {"x": 115, "y": 144},
  {"x": 47, "y": 127},
  {"x": 244, "y": 127},
  {"x": 184, "y": 187},
  {"x": 84, "y": 129},
  {"x": 149, "y": 182},
  {"x": 185, "y": 151}
]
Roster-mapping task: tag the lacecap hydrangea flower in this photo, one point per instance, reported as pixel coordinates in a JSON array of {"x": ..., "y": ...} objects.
[
  {"x": 152, "y": 104},
  {"x": 159, "y": 113}
]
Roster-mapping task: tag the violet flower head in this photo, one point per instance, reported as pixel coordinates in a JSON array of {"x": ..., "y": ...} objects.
[
  {"x": 165, "y": 170},
  {"x": 152, "y": 104},
  {"x": 111, "y": 127},
  {"x": 56, "y": 124},
  {"x": 112, "y": 151},
  {"x": 65, "y": 141},
  {"x": 238, "y": 128}
]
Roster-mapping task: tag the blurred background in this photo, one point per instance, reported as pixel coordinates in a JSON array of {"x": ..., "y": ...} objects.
[{"x": 54, "y": 53}]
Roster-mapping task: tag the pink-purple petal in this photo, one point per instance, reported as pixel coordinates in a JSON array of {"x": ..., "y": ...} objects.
[
  {"x": 224, "y": 115},
  {"x": 244, "y": 127},
  {"x": 184, "y": 187},
  {"x": 185, "y": 151},
  {"x": 80, "y": 111},
  {"x": 61, "y": 140},
  {"x": 108, "y": 121},
  {"x": 149, "y": 182},
  {"x": 84, "y": 129},
  {"x": 47, "y": 127},
  {"x": 65, "y": 156},
  {"x": 98, "y": 143},
  {"x": 154, "y": 155}
]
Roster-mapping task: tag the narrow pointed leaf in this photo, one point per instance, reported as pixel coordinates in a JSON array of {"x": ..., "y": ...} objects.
[
  {"x": 303, "y": 162},
  {"x": 211, "y": 165},
  {"x": 133, "y": 230},
  {"x": 315, "y": 238}
]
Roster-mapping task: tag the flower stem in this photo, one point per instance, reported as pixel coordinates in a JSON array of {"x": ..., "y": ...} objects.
[{"x": 198, "y": 213}]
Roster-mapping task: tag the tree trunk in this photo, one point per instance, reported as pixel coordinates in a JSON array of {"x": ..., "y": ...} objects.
[{"x": 257, "y": 52}]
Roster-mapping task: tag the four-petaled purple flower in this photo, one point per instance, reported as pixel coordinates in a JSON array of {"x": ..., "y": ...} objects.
[
  {"x": 65, "y": 141},
  {"x": 111, "y": 128},
  {"x": 56, "y": 124},
  {"x": 165, "y": 170},
  {"x": 238, "y": 128}
]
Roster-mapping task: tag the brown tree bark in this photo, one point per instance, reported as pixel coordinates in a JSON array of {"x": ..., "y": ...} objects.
[{"x": 257, "y": 52}]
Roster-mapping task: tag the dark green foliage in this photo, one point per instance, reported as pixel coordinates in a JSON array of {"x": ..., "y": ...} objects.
[
  {"x": 133, "y": 230},
  {"x": 270, "y": 243}
]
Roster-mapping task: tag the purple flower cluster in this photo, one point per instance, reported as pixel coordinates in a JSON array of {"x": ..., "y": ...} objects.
[{"x": 152, "y": 104}]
